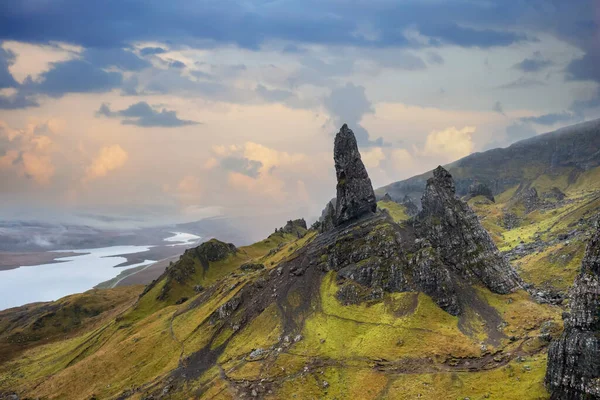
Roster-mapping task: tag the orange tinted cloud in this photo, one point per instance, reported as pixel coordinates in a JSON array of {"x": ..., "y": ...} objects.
[{"x": 109, "y": 158}]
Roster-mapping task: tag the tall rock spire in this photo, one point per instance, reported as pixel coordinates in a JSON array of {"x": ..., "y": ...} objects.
[
  {"x": 355, "y": 196},
  {"x": 574, "y": 359}
]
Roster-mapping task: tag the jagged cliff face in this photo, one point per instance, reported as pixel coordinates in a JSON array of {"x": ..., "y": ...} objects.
[
  {"x": 574, "y": 360},
  {"x": 355, "y": 196}
]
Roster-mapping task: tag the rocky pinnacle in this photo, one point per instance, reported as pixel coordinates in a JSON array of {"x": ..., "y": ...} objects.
[
  {"x": 574, "y": 359},
  {"x": 355, "y": 196},
  {"x": 454, "y": 229}
]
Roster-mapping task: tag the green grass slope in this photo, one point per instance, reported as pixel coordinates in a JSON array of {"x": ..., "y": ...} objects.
[{"x": 226, "y": 342}]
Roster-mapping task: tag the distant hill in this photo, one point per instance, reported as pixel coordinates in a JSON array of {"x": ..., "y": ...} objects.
[{"x": 566, "y": 153}]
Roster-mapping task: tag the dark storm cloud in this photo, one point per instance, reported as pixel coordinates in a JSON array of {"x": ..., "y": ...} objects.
[
  {"x": 114, "y": 23},
  {"x": 143, "y": 115},
  {"x": 242, "y": 165}
]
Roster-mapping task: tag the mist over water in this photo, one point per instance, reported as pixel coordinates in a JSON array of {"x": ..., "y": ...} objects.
[
  {"x": 47, "y": 282},
  {"x": 74, "y": 274}
]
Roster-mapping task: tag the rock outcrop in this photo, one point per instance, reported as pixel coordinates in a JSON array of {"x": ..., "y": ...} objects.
[
  {"x": 526, "y": 197},
  {"x": 411, "y": 208},
  {"x": 480, "y": 189},
  {"x": 296, "y": 227},
  {"x": 327, "y": 220},
  {"x": 464, "y": 245},
  {"x": 441, "y": 252},
  {"x": 355, "y": 195},
  {"x": 574, "y": 359},
  {"x": 387, "y": 197},
  {"x": 554, "y": 194},
  {"x": 183, "y": 270}
]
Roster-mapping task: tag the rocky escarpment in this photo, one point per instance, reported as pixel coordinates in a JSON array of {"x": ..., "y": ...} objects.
[
  {"x": 355, "y": 195},
  {"x": 574, "y": 359}
]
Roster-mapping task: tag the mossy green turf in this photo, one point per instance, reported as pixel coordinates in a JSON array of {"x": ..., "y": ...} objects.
[
  {"x": 397, "y": 211},
  {"x": 400, "y": 347}
]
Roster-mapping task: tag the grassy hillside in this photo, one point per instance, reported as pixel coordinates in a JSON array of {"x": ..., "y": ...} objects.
[
  {"x": 262, "y": 321},
  {"x": 397, "y": 347}
]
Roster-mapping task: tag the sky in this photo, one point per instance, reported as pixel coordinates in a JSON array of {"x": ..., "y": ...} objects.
[{"x": 172, "y": 111}]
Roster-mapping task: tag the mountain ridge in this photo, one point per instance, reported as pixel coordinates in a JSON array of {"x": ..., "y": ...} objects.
[{"x": 558, "y": 152}]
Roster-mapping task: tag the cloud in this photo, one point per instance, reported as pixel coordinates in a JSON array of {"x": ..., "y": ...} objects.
[
  {"x": 402, "y": 160},
  {"x": 450, "y": 144},
  {"x": 401, "y": 60},
  {"x": 16, "y": 101},
  {"x": 523, "y": 83},
  {"x": 435, "y": 58},
  {"x": 519, "y": 131},
  {"x": 123, "y": 59},
  {"x": 177, "y": 64},
  {"x": 535, "y": 64},
  {"x": 152, "y": 51},
  {"x": 143, "y": 115},
  {"x": 373, "y": 157},
  {"x": 6, "y": 78},
  {"x": 38, "y": 167},
  {"x": 249, "y": 25},
  {"x": 244, "y": 166},
  {"x": 92, "y": 72},
  {"x": 28, "y": 151},
  {"x": 74, "y": 76},
  {"x": 189, "y": 190},
  {"x": 551, "y": 119},
  {"x": 591, "y": 101},
  {"x": 348, "y": 104},
  {"x": 585, "y": 68},
  {"x": 273, "y": 95},
  {"x": 498, "y": 108},
  {"x": 109, "y": 158}
]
